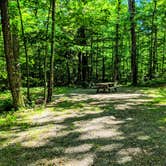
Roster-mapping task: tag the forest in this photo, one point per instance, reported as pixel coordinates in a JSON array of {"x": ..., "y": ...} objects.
[{"x": 83, "y": 82}]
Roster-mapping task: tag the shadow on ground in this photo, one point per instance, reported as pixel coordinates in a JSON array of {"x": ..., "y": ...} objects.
[{"x": 124, "y": 128}]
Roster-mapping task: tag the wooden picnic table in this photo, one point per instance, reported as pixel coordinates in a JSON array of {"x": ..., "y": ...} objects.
[{"x": 105, "y": 86}]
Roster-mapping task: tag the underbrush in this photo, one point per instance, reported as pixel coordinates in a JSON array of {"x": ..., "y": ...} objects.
[
  {"x": 153, "y": 83},
  {"x": 158, "y": 94},
  {"x": 5, "y": 101}
]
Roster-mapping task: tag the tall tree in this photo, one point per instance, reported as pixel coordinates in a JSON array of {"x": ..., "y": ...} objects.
[
  {"x": 51, "y": 75},
  {"x": 11, "y": 58},
  {"x": 26, "y": 52},
  {"x": 117, "y": 56},
  {"x": 134, "y": 68},
  {"x": 46, "y": 56},
  {"x": 153, "y": 45},
  {"x": 83, "y": 59}
]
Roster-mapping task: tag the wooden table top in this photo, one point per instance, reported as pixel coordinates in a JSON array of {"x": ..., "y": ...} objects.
[{"x": 105, "y": 83}]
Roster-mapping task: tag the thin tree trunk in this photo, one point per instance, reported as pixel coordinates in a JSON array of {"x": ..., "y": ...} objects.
[
  {"x": 91, "y": 59},
  {"x": 68, "y": 71},
  {"x": 26, "y": 52},
  {"x": 103, "y": 69},
  {"x": 51, "y": 75},
  {"x": 45, "y": 74},
  {"x": 11, "y": 58},
  {"x": 97, "y": 60},
  {"x": 45, "y": 58},
  {"x": 40, "y": 73},
  {"x": 155, "y": 66},
  {"x": 79, "y": 67},
  {"x": 84, "y": 66},
  {"x": 112, "y": 62},
  {"x": 103, "y": 64},
  {"x": 164, "y": 52},
  {"x": 82, "y": 36},
  {"x": 117, "y": 58},
  {"x": 152, "y": 54},
  {"x": 83, "y": 59},
  {"x": 134, "y": 68}
]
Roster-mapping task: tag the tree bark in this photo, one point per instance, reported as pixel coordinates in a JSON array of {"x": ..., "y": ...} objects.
[
  {"x": 82, "y": 36},
  {"x": 91, "y": 59},
  {"x": 117, "y": 58},
  {"x": 83, "y": 59},
  {"x": 79, "y": 67},
  {"x": 46, "y": 57},
  {"x": 103, "y": 69},
  {"x": 51, "y": 75},
  {"x": 134, "y": 68},
  {"x": 164, "y": 52},
  {"x": 26, "y": 52},
  {"x": 68, "y": 70},
  {"x": 84, "y": 67},
  {"x": 11, "y": 58},
  {"x": 97, "y": 76},
  {"x": 153, "y": 46}
]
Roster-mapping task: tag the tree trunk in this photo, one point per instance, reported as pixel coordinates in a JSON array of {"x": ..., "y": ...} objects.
[
  {"x": 84, "y": 55},
  {"x": 11, "y": 58},
  {"x": 68, "y": 69},
  {"x": 26, "y": 52},
  {"x": 79, "y": 67},
  {"x": 153, "y": 47},
  {"x": 91, "y": 59},
  {"x": 45, "y": 74},
  {"x": 164, "y": 52},
  {"x": 83, "y": 59},
  {"x": 45, "y": 57},
  {"x": 117, "y": 58},
  {"x": 103, "y": 69},
  {"x": 155, "y": 65},
  {"x": 51, "y": 75},
  {"x": 84, "y": 67},
  {"x": 134, "y": 68},
  {"x": 97, "y": 77}
]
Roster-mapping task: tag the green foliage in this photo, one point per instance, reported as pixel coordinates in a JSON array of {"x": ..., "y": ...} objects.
[
  {"x": 5, "y": 101},
  {"x": 8, "y": 120},
  {"x": 99, "y": 19}
]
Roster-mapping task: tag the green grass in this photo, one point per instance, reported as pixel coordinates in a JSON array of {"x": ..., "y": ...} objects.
[{"x": 158, "y": 94}]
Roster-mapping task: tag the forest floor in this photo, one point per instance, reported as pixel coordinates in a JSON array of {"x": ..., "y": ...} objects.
[{"x": 82, "y": 128}]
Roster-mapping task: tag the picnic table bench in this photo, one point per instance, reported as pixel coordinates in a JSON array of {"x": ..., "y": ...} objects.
[{"x": 106, "y": 87}]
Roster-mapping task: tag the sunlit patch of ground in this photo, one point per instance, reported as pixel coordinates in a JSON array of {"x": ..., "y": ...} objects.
[{"x": 82, "y": 128}]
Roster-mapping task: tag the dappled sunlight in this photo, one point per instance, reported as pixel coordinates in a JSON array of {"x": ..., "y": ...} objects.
[
  {"x": 79, "y": 149},
  {"x": 110, "y": 147},
  {"x": 84, "y": 160},
  {"x": 87, "y": 129},
  {"x": 49, "y": 162},
  {"x": 34, "y": 137},
  {"x": 101, "y": 133},
  {"x": 143, "y": 137},
  {"x": 116, "y": 96},
  {"x": 44, "y": 117},
  {"x": 99, "y": 128},
  {"x": 126, "y": 155},
  {"x": 123, "y": 106}
]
